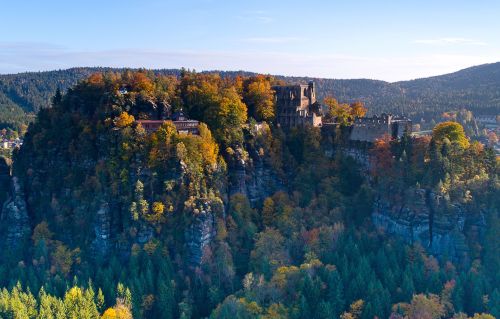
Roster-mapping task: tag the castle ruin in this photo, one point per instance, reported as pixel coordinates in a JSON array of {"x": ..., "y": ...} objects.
[
  {"x": 368, "y": 129},
  {"x": 296, "y": 105}
]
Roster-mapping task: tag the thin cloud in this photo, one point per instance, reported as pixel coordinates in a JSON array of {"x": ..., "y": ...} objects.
[
  {"x": 40, "y": 57},
  {"x": 273, "y": 39},
  {"x": 450, "y": 41},
  {"x": 256, "y": 16}
]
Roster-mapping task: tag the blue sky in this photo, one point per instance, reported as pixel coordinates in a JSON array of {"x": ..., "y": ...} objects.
[{"x": 387, "y": 40}]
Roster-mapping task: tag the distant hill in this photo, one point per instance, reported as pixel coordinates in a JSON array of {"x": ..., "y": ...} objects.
[{"x": 476, "y": 88}]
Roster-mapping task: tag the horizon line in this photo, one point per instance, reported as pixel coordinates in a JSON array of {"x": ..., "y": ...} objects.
[{"x": 239, "y": 71}]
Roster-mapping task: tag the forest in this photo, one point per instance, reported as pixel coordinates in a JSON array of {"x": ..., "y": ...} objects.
[
  {"x": 244, "y": 220},
  {"x": 423, "y": 100}
]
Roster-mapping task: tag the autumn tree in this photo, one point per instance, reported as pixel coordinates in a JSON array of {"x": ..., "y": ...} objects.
[
  {"x": 452, "y": 131},
  {"x": 355, "y": 310},
  {"x": 199, "y": 93},
  {"x": 259, "y": 97},
  {"x": 269, "y": 252},
  {"x": 343, "y": 113},
  {"x": 63, "y": 258},
  {"x": 268, "y": 212},
  {"x": 425, "y": 307},
  {"x": 124, "y": 120},
  {"x": 42, "y": 232},
  {"x": 382, "y": 160},
  {"x": 227, "y": 116},
  {"x": 338, "y": 112}
]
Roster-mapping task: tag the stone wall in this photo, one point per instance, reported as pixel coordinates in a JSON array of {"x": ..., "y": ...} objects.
[
  {"x": 368, "y": 129},
  {"x": 369, "y": 132}
]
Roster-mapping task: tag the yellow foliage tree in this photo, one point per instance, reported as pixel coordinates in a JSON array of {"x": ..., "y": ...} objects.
[
  {"x": 141, "y": 82},
  {"x": 209, "y": 148},
  {"x": 110, "y": 313},
  {"x": 358, "y": 109},
  {"x": 158, "y": 207},
  {"x": 452, "y": 131},
  {"x": 117, "y": 312},
  {"x": 343, "y": 113},
  {"x": 96, "y": 79},
  {"x": 42, "y": 232},
  {"x": 268, "y": 213},
  {"x": 355, "y": 310},
  {"x": 62, "y": 259},
  {"x": 259, "y": 97},
  {"x": 124, "y": 120}
]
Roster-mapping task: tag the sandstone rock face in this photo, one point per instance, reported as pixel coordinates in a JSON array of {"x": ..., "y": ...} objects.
[
  {"x": 14, "y": 217},
  {"x": 441, "y": 229},
  {"x": 200, "y": 232},
  {"x": 238, "y": 168},
  {"x": 252, "y": 177},
  {"x": 262, "y": 181},
  {"x": 361, "y": 156},
  {"x": 5, "y": 179},
  {"x": 102, "y": 228}
]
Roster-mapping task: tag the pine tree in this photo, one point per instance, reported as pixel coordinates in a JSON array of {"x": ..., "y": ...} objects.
[
  {"x": 335, "y": 292},
  {"x": 407, "y": 287},
  {"x": 100, "y": 300},
  {"x": 166, "y": 301}
]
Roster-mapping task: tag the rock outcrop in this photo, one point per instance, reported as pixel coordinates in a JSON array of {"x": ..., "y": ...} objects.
[
  {"x": 251, "y": 176},
  {"x": 102, "y": 228},
  {"x": 5, "y": 180},
  {"x": 14, "y": 217},
  {"x": 238, "y": 168},
  {"x": 442, "y": 228},
  {"x": 262, "y": 181},
  {"x": 201, "y": 231}
]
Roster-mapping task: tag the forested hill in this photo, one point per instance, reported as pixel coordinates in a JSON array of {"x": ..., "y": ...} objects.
[
  {"x": 101, "y": 217},
  {"x": 476, "y": 88}
]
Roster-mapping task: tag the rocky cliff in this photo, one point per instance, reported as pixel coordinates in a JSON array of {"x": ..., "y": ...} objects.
[
  {"x": 253, "y": 177},
  {"x": 102, "y": 228},
  {"x": 14, "y": 217},
  {"x": 441, "y": 227},
  {"x": 201, "y": 229}
]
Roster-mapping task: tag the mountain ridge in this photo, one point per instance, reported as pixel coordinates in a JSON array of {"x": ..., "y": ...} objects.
[{"x": 476, "y": 88}]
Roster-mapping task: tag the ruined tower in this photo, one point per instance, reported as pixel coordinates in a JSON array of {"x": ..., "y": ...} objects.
[{"x": 296, "y": 105}]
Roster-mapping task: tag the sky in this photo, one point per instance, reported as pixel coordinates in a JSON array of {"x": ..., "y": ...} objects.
[{"x": 376, "y": 39}]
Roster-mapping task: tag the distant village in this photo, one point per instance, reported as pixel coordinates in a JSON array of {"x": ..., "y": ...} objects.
[
  {"x": 8, "y": 142},
  {"x": 491, "y": 124},
  {"x": 11, "y": 144}
]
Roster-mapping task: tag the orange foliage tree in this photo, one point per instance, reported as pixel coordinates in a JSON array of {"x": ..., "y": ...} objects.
[{"x": 382, "y": 159}]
